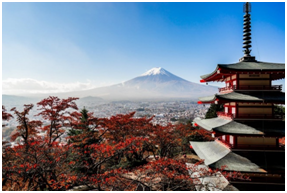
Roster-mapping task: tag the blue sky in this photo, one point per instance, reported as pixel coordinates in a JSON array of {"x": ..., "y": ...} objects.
[{"x": 70, "y": 46}]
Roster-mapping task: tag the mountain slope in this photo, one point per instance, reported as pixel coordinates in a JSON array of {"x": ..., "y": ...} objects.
[
  {"x": 156, "y": 83},
  {"x": 18, "y": 100}
]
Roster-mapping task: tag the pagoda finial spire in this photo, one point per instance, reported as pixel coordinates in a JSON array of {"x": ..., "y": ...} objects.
[
  {"x": 247, "y": 29},
  {"x": 247, "y": 33}
]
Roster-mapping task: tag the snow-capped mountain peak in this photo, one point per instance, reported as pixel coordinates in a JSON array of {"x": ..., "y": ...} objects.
[
  {"x": 156, "y": 83},
  {"x": 155, "y": 71}
]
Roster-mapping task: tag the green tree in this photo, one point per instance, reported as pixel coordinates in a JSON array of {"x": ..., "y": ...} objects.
[
  {"x": 83, "y": 124},
  {"x": 213, "y": 109},
  {"x": 83, "y": 133},
  {"x": 279, "y": 111}
]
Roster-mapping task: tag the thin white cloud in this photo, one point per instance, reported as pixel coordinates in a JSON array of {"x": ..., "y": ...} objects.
[{"x": 28, "y": 85}]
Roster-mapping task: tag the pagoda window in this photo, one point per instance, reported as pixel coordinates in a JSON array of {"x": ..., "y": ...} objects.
[{"x": 223, "y": 137}]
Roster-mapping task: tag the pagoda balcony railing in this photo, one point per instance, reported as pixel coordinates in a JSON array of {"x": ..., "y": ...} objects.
[
  {"x": 227, "y": 88},
  {"x": 226, "y": 143},
  {"x": 249, "y": 116},
  {"x": 251, "y": 87}
]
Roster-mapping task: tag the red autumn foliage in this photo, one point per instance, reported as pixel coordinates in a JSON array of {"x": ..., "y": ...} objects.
[
  {"x": 5, "y": 116},
  {"x": 26, "y": 128},
  {"x": 101, "y": 153},
  {"x": 55, "y": 111},
  {"x": 282, "y": 141}
]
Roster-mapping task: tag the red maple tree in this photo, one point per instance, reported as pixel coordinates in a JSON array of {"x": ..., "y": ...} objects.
[{"x": 117, "y": 153}]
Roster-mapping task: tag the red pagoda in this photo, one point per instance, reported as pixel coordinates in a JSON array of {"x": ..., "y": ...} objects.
[{"x": 247, "y": 132}]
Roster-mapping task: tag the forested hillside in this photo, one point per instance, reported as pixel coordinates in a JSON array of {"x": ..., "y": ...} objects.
[{"x": 78, "y": 149}]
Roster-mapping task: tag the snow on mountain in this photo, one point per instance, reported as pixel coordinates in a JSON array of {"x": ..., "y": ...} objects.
[
  {"x": 155, "y": 71},
  {"x": 156, "y": 83},
  {"x": 155, "y": 75}
]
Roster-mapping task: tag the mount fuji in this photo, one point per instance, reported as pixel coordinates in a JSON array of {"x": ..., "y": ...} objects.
[{"x": 157, "y": 83}]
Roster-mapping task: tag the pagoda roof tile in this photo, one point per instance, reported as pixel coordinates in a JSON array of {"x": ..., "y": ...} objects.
[
  {"x": 268, "y": 160},
  {"x": 238, "y": 128},
  {"x": 210, "y": 151},
  {"x": 210, "y": 124},
  {"x": 254, "y": 65},
  {"x": 257, "y": 127},
  {"x": 227, "y": 126},
  {"x": 248, "y": 66},
  {"x": 247, "y": 96},
  {"x": 268, "y": 127},
  {"x": 235, "y": 162}
]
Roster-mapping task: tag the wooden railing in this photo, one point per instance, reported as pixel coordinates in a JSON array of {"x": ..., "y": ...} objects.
[
  {"x": 225, "y": 143},
  {"x": 251, "y": 87},
  {"x": 223, "y": 114},
  {"x": 227, "y": 88},
  {"x": 249, "y": 116}
]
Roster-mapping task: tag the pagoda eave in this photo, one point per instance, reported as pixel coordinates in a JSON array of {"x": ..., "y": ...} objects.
[
  {"x": 245, "y": 97},
  {"x": 247, "y": 128},
  {"x": 276, "y": 70},
  {"x": 217, "y": 155},
  {"x": 236, "y": 162},
  {"x": 220, "y": 73}
]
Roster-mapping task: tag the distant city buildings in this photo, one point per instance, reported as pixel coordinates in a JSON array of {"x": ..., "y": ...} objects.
[{"x": 164, "y": 112}]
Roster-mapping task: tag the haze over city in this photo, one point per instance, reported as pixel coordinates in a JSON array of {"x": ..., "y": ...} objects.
[{"x": 62, "y": 47}]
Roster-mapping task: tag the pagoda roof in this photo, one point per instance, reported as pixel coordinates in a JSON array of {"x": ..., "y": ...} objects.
[
  {"x": 228, "y": 126},
  {"x": 245, "y": 66},
  {"x": 266, "y": 126},
  {"x": 210, "y": 151},
  {"x": 210, "y": 124},
  {"x": 235, "y": 162},
  {"x": 217, "y": 155},
  {"x": 268, "y": 160},
  {"x": 246, "y": 96}
]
